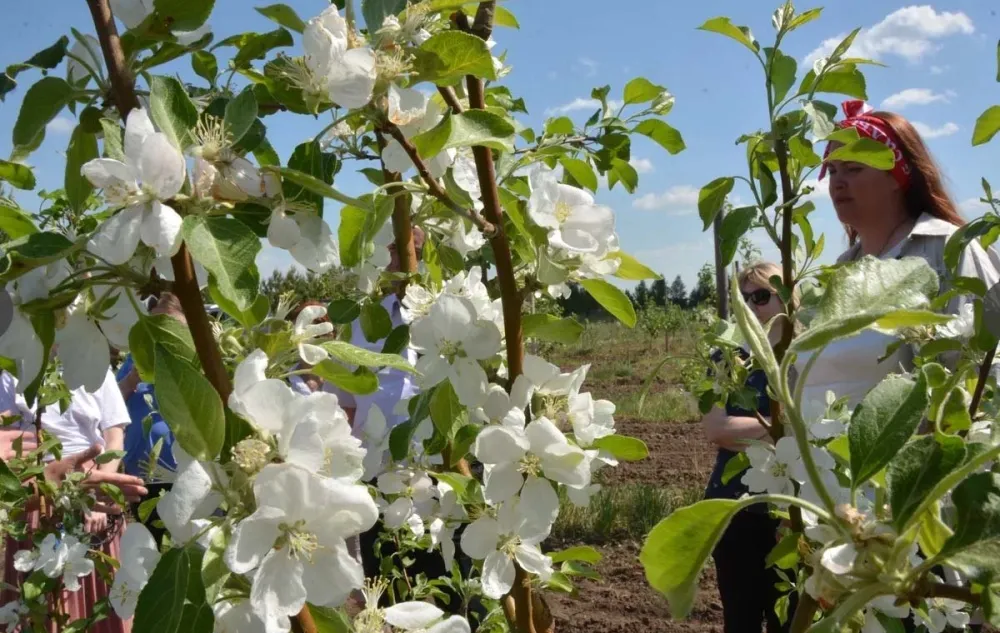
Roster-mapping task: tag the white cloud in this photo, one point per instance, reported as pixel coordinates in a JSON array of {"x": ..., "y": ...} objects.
[
  {"x": 929, "y": 132},
  {"x": 677, "y": 200},
  {"x": 820, "y": 192},
  {"x": 580, "y": 103},
  {"x": 642, "y": 165},
  {"x": 939, "y": 70},
  {"x": 973, "y": 207},
  {"x": 916, "y": 96},
  {"x": 60, "y": 125},
  {"x": 588, "y": 65},
  {"x": 908, "y": 32}
]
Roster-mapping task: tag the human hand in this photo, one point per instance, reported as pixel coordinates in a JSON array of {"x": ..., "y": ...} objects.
[
  {"x": 132, "y": 487},
  {"x": 95, "y": 522},
  {"x": 7, "y": 439}
]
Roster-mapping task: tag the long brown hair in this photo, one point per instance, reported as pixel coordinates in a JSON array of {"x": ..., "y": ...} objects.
[{"x": 926, "y": 193}]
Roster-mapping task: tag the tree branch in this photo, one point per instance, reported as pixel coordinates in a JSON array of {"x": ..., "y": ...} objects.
[
  {"x": 941, "y": 590},
  {"x": 402, "y": 229},
  {"x": 122, "y": 81},
  {"x": 434, "y": 186},
  {"x": 984, "y": 374},
  {"x": 449, "y": 96}
]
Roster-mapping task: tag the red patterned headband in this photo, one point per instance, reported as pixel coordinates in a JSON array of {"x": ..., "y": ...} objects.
[{"x": 856, "y": 116}]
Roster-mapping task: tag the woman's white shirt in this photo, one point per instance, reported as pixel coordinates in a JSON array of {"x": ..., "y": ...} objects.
[
  {"x": 11, "y": 400},
  {"x": 850, "y": 367},
  {"x": 87, "y": 417}
]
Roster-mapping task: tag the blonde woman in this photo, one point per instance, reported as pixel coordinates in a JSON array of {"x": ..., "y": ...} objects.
[{"x": 746, "y": 586}]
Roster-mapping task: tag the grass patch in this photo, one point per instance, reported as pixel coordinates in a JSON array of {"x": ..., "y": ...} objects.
[
  {"x": 617, "y": 512},
  {"x": 663, "y": 404}
]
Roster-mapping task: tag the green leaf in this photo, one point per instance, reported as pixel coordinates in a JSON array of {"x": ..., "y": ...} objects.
[
  {"x": 162, "y": 330},
  {"x": 45, "y": 59},
  {"x": 785, "y": 554},
  {"x": 241, "y": 112},
  {"x": 18, "y": 175},
  {"x": 283, "y": 15},
  {"x": 678, "y": 547},
  {"x": 502, "y": 16},
  {"x": 804, "y": 18},
  {"x": 227, "y": 248},
  {"x": 802, "y": 151},
  {"x": 559, "y": 126},
  {"x": 883, "y": 422},
  {"x": 190, "y": 405},
  {"x": 859, "y": 294},
  {"x": 711, "y": 198},
  {"x": 375, "y": 11},
  {"x": 581, "y": 171},
  {"x": 627, "y": 449},
  {"x": 724, "y": 26},
  {"x": 214, "y": 572},
  {"x": 172, "y": 110},
  {"x": 582, "y": 553},
  {"x": 82, "y": 148},
  {"x": 987, "y": 125},
  {"x": 184, "y": 15},
  {"x": 33, "y": 250},
  {"x": 41, "y": 104},
  {"x": 782, "y": 69},
  {"x": 375, "y": 322},
  {"x": 641, "y": 90},
  {"x": 329, "y": 620},
  {"x": 447, "y": 57},
  {"x": 113, "y": 139},
  {"x": 735, "y": 225},
  {"x": 343, "y": 311},
  {"x": 445, "y": 408},
  {"x": 754, "y": 334},
  {"x": 916, "y": 469},
  {"x": 736, "y": 465},
  {"x": 465, "y": 437},
  {"x": 350, "y": 354},
  {"x": 351, "y": 234},
  {"x": 976, "y": 540},
  {"x": 622, "y": 170},
  {"x": 611, "y": 299},
  {"x": 866, "y": 151},
  {"x": 846, "y": 79},
  {"x": 632, "y": 269},
  {"x": 666, "y": 136},
  {"x": 397, "y": 340},
  {"x": 205, "y": 65},
  {"x": 249, "y": 318},
  {"x": 173, "y": 601},
  {"x": 548, "y": 327},
  {"x": 10, "y": 485},
  {"x": 470, "y": 128},
  {"x": 933, "y": 532},
  {"x": 14, "y": 222},
  {"x": 360, "y": 381},
  {"x": 256, "y": 46}
]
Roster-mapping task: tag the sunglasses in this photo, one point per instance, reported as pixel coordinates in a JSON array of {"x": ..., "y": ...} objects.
[{"x": 759, "y": 297}]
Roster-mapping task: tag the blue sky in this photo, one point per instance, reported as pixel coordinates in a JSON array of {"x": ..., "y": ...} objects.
[{"x": 941, "y": 74}]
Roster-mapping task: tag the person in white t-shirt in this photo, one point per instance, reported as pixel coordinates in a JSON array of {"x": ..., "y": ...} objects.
[{"x": 97, "y": 418}]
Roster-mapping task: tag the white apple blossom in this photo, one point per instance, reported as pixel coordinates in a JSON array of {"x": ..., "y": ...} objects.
[
  {"x": 539, "y": 450},
  {"x": 347, "y": 74},
  {"x": 294, "y": 542},
  {"x": 943, "y": 613},
  {"x": 422, "y": 617},
  {"x": 591, "y": 419},
  {"x": 466, "y": 175},
  {"x": 133, "y": 12},
  {"x": 82, "y": 348},
  {"x": 21, "y": 343},
  {"x": 962, "y": 326},
  {"x": 152, "y": 173},
  {"x": 236, "y": 617},
  {"x": 375, "y": 438},
  {"x": 413, "y": 113},
  {"x": 139, "y": 556},
  {"x": 886, "y": 605},
  {"x": 11, "y": 613},
  {"x": 453, "y": 341},
  {"x": 65, "y": 557},
  {"x": 236, "y": 178},
  {"x": 575, "y": 222},
  {"x": 412, "y": 489},
  {"x": 317, "y": 248},
  {"x": 498, "y": 408},
  {"x": 773, "y": 469},
  {"x": 195, "y": 495},
  {"x": 515, "y": 534},
  {"x": 39, "y": 282},
  {"x": 371, "y": 268},
  {"x": 307, "y": 330}
]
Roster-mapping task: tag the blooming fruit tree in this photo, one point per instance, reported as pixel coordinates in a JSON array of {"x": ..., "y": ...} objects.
[
  {"x": 173, "y": 185},
  {"x": 891, "y": 507}
]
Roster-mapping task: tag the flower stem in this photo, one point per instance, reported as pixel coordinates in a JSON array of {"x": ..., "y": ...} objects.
[{"x": 984, "y": 373}]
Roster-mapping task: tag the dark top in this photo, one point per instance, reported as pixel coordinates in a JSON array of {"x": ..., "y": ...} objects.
[
  {"x": 140, "y": 437},
  {"x": 734, "y": 488}
]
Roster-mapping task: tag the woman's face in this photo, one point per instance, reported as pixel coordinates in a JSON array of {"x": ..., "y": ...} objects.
[
  {"x": 763, "y": 302},
  {"x": 861, "y": 194}
]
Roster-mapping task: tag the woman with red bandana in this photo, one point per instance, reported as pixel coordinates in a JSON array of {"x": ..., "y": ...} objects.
[{"x": 902, "y": 212}]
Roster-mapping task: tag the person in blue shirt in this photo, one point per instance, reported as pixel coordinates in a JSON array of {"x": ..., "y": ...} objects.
[
  {"x": 148, "y": 430},
  {"x": 746, "y": 586}
]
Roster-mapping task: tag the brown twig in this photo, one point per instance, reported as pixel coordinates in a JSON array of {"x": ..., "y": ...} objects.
[
  {"x": 449, "y": 96},
  {"x": 434, "y": 186},
  {"x": 185, "y": 281},
  {"x": 402, "y": 228},
  {"x": 984, "y": 374},
  {"x": 805, "y": 610},
  {"x": 941, "y": 590}
]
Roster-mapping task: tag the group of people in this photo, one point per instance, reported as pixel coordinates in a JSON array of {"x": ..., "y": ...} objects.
[{"x": 903, "y": 212}]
